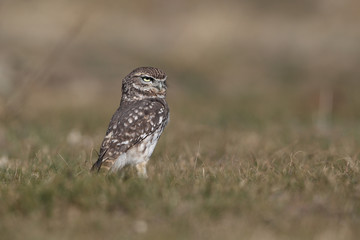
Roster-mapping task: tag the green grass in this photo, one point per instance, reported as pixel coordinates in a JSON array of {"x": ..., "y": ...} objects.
[{"x": 260, "y": 176}]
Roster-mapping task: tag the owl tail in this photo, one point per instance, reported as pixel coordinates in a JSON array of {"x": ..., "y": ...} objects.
[
  {"x": 96, "y": 167},
  {"x": 99, "y": 162}
]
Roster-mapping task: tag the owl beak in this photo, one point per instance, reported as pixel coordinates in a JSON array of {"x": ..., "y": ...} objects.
[{"x": 160, "y": 86}]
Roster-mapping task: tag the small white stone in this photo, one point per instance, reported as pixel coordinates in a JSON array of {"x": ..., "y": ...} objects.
[
  {"x": 4, "y": 160},
  {"x": 140, "y": 226},
  {"x": 74, "y": 137}
]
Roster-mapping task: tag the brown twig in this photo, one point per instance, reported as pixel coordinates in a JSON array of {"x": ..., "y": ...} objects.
[{"x": 16, "y": 101}]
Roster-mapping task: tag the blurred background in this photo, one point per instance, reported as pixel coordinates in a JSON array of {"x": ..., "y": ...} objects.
[
  {"x": 264, "y": 133},
  {"x": 234, "y": 64}
]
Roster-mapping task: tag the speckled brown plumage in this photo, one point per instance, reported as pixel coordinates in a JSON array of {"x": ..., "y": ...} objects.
[{"x": 138, "y": 122}]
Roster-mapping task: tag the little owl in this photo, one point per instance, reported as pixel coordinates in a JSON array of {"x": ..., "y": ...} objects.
[{"x": 137, "y": 124}]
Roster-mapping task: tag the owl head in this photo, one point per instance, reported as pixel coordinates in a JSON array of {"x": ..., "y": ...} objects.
[{"x": 144, "y": 82}]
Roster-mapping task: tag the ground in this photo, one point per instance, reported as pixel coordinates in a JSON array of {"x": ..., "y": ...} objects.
[{"x": 250, "y": 177}]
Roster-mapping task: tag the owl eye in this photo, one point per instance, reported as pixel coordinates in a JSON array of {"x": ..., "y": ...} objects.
[{"x": 147, "y": 79}]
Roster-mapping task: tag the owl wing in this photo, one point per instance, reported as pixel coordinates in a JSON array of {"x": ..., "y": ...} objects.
[{"x": 128, "y": 127}]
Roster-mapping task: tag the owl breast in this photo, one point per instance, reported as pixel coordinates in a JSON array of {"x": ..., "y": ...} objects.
[
  {"x": 140, "y": 152},
  {"x": 143, "y": 151}
]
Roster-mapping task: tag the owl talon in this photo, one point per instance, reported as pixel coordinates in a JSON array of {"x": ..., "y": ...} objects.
[{"x": 141, "y": 170}]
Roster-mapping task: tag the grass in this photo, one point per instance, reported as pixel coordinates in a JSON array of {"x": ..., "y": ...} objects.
[{"x": 246, "y": 178}]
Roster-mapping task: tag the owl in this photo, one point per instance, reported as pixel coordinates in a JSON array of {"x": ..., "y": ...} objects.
[{"x": 137, "y": 124}]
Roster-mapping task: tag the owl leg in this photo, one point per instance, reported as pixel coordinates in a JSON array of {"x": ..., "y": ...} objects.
[{"x": 141, "y": 169}]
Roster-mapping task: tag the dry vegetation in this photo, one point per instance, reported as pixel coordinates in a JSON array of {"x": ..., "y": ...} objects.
[{"x": 264, "y": 136}]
